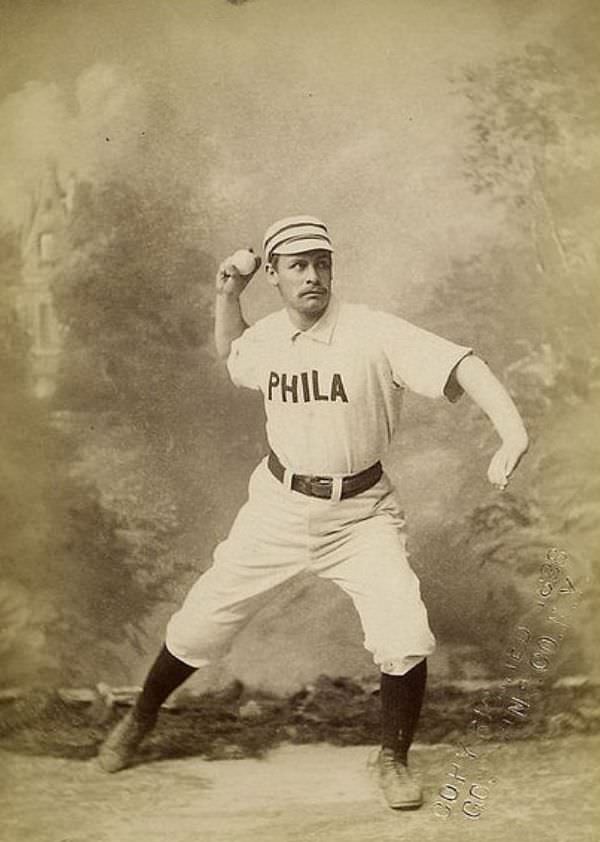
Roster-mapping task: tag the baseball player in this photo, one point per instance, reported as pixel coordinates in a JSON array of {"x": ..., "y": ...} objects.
[{"x": 332, "y": 375}]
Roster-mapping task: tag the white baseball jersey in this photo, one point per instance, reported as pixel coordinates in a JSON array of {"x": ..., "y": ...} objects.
[
  {"x": 332, "y": 393},
  {"x": 332, "y": 402}
]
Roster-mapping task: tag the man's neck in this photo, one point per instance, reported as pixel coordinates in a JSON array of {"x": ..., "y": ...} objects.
[{"x": 304, "y": 322}]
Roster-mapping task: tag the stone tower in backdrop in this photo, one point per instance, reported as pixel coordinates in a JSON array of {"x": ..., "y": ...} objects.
[{"x": 42, "y": 244}]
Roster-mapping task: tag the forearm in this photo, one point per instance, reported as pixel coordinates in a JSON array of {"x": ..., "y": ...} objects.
[
  {"x": 229, "y": 322},
  {"x": 489, "y": 394}
]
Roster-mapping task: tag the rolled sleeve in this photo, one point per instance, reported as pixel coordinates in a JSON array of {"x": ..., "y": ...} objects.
[{"x": 422, "y": 361}]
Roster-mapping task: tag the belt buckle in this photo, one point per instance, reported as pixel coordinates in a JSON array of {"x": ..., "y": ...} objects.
[{"x": 319, "y": 484}]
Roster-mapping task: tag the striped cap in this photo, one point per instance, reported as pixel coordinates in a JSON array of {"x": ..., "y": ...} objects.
[{"x": 296, "y": 234}]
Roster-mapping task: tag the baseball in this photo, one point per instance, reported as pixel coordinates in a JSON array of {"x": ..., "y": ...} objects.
[{"x": 244, "y": 261}]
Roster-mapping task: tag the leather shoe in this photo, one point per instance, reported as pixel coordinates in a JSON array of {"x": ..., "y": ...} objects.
[
  {"x": 119, "y": 748},
  {"x": 399, "y": 788}
]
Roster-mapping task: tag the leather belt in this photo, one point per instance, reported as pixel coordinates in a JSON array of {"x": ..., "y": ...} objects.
[{"x": 318, "y": 486}]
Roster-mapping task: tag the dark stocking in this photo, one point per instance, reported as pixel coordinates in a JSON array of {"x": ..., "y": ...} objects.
[
  {"x": 401, "y": 700},
  {"x": 166, "y": 674}
]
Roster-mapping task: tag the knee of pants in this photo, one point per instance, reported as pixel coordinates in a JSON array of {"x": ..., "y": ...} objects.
[
  {"x": 402, "y": 664},
  {"x": 201, "y": 642},
  {"x": 399, "y": 660},
  {"x": 397, "y": 648}
]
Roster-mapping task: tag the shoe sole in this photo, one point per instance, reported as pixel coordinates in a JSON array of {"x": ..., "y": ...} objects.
[
  {"x": 109, "y": 768},
  {"x": 413, "y": 805}
]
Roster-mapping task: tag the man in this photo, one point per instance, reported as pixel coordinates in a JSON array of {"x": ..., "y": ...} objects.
[{"x": 331, "y": 375}]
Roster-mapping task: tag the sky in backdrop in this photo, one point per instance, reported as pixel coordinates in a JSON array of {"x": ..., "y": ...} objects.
[{"x": 348, "y": 110}]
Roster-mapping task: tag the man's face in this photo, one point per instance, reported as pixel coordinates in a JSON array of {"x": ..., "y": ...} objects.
[{"x": 304, "y": 282}]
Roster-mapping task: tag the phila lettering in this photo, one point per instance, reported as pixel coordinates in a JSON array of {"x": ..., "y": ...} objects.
[{"x": 304, "y": 387}]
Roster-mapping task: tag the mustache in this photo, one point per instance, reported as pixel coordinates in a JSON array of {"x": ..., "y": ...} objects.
[{"x": 319, "y": 288}]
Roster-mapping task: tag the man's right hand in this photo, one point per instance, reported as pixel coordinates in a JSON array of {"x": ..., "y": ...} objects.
[
  {"x": 230, "y": 282},
  {"x": 229, "y": 321}
]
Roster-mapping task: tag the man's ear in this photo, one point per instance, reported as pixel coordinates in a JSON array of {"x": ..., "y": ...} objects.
[{"x": 271, "y": 274}]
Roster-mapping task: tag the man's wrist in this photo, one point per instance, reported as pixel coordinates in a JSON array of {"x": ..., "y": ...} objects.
[
  {"x": 518, "y": 440},
  {"x": 227, "y": 294}
]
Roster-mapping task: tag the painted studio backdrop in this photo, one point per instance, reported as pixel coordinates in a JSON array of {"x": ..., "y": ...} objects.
[{"x": 451, "y": 146}]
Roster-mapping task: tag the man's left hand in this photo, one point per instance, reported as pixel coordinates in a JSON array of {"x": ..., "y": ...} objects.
[{"x": 504, "y": 461}]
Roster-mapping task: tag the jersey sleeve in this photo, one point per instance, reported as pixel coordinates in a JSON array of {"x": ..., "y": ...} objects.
[
  {"x": 420, "y": 360},
  {"x": 244, "y": 361}
]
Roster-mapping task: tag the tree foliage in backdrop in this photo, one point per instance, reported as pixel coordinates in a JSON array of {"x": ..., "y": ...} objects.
[
  {"x": 64, "y": 581},
  {"x": 147, "y": 404},
  {"x": 533, "y": 150}
]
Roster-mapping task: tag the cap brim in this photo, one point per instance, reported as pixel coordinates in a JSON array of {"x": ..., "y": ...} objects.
[{"x": 299, "y": 246}]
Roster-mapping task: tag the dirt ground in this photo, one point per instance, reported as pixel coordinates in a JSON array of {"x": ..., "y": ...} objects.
[{"x": 543, "y": 790}]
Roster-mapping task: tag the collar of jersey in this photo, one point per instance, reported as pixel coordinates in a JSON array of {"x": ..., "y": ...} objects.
[{"x": 321, "y": 331}]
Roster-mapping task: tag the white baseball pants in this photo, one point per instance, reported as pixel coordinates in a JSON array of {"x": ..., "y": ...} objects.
[{"x": 359, "y": 543}]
